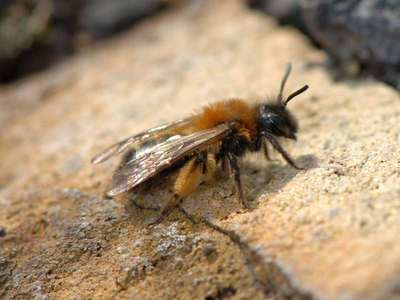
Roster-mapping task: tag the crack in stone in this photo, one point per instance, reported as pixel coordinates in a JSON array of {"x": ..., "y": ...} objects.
[{"x": 268, "y": 275}]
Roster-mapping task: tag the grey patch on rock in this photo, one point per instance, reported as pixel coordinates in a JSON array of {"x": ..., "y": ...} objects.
[
  {"x": 170, "y": 240},
  {"x": 321, "y": 235},
  {"x": 334, "y": 212},
  {"x": 367, "y": 31},
  {"x": 5, "y": 270},
  {"x": 286, "y": 11},
  {"x": 103, "y": 17},
  {"x": 72, "y": 193},
  {"x": 135, "y": 268},
  {"x": 72, "y": 165},
  {"x": 37, "y": 291},
  {"x": 359, "y": 35}
]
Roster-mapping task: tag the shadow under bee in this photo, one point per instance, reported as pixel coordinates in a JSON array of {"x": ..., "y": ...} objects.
[{"x": 216, "y": 199}]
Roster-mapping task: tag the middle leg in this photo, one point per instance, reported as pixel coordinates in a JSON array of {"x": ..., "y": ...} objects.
[
  {"x": 266, "y": 150},
  {"x": 235, "y": 173}
]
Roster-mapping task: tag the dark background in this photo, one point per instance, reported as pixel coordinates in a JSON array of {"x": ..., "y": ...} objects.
[{"x": 362, "y": 37}]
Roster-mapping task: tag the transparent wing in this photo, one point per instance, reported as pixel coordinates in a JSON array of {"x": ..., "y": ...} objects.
[
  {"x": 138, "y": 139},
  {"x": 161, "y": 157}
]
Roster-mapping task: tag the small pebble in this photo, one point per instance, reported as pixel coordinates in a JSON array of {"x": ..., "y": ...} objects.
[
  {"x": 3, "y": 231},
  {"x": 209, "y": 249}
]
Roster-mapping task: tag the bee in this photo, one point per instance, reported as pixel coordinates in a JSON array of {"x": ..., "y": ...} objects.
[{"x": 197, "y": 146}]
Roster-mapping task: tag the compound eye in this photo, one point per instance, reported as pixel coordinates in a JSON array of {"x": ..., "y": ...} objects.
[
  {"x": 277, "y": 121},
  {"x": 277, "y": 125},
  {"x": 272, "y": 120}
]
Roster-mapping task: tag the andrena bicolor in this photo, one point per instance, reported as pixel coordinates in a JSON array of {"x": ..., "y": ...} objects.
[{"x": 196, "y": 146}]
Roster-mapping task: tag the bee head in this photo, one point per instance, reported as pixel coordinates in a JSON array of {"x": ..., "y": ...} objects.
[{"x": 274, "y": 118}]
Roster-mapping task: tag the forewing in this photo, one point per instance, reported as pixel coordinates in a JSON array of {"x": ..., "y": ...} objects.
[
  {"x": 138, "y": 139},
  {"x": 161, "y": 157}
]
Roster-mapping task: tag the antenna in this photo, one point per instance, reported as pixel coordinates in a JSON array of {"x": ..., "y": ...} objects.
[
  {"x": 284, "y": 79},
  {"x": 296, "y": 93}
]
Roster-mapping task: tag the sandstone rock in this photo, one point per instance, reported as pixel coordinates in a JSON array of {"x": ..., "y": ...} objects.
[{"x": 329, "y": 232}]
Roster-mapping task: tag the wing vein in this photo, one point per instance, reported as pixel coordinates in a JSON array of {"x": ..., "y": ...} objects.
[{"x": 163, "y": 156}]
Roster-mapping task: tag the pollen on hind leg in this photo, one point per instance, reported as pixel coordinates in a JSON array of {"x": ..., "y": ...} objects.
[
  {"x": 189, "y": 178},
  {"x": 210, "y": 167}
]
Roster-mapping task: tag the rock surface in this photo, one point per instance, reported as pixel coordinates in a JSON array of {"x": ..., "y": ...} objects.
[{"x": 330, "y": 232}]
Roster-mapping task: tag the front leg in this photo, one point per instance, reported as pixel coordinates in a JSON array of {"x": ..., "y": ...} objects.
[
  {"x": 274, "y": 142},
  {"x": 266, "y": 150},
  {"x": 235, "y": 173}
]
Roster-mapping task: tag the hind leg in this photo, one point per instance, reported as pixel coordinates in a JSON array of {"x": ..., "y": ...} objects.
[{"x": 189, "y": 178}]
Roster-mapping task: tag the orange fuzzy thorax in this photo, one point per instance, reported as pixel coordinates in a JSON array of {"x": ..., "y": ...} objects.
[{"x": 226, "y": 111}]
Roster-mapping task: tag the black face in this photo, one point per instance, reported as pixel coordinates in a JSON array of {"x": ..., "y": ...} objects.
[{"x": 275, "y": 119}]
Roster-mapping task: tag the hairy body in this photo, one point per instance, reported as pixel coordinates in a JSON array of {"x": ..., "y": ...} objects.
[{"x": 216, "y": 137}]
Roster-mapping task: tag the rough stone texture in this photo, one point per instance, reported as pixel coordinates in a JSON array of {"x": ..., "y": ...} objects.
[{"x": 330, "y": 232}]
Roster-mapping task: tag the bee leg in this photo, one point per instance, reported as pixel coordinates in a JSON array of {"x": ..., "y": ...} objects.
[
  {"x": 235, "y": 173},
  {"x": 189, "y": 178},
  {"x": 274, "y": 142},
  {"x": 266, "y": 150},
  {"x": 225, "y": 165},
  {"x": 166, "y": 210},
  {"x": 209, "y": 167}
]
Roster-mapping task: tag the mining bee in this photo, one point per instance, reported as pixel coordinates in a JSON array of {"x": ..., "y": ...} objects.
[{"x": 196, "y": 146}]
